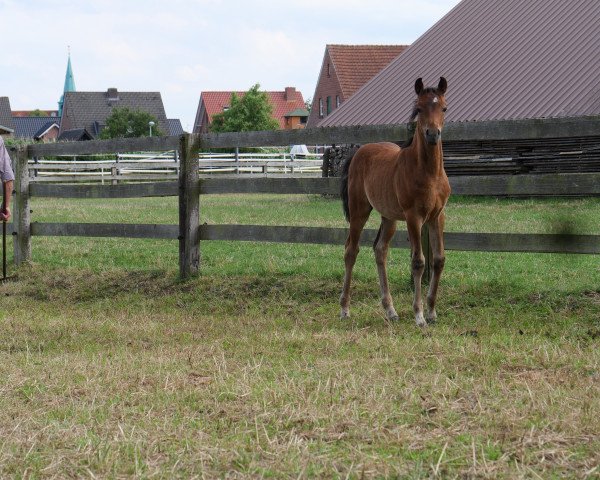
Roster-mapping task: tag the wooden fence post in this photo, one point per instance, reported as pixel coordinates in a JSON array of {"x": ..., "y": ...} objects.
[
  {"x": 114, "y": 171},
  {"x": 22, "y": 209},
  {"x": 189, "y": 207}
]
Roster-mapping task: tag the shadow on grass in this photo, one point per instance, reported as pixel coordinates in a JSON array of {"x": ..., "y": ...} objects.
[{"x": 268, "y": 292}]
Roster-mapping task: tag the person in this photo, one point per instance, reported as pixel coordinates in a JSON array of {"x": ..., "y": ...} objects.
[{"x": 7, "y": 178}]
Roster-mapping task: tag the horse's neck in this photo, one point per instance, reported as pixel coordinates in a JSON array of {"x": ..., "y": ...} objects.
[{"x": 430, "y": 158}]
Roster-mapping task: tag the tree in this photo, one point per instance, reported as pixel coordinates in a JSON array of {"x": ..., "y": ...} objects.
[
  {"x": 253, "y": 111},
  {"x": 37, "y": 113},
  {"x": 126, "y": 123},
  {"x": 308, "y": 104}
]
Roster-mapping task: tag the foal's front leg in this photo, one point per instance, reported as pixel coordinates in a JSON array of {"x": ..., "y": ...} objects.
[
  {"x": 417, "y": 267},
  {"x": 436, "y": 239}
]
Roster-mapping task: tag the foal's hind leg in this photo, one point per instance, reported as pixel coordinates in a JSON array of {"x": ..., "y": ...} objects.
[
  {"x": 357, "y": 223},
  {"x": 381, "y": 247}
]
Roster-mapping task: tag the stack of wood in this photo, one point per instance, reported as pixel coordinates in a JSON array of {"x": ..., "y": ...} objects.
[
  {"x": 499, "y": 157},
  {"x": 334, "y": 158},
  {"x": 552, "y": 155}
]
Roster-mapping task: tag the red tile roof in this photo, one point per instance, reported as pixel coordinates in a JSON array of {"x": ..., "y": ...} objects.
[
  {"x": 355, "y": 65},
  {"x": 27, "y": 113},
  {"x": 503, "y": 60},
  {"x": 214, "y": 102}
]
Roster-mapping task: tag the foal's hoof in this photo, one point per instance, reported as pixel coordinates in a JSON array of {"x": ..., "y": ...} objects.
[
  {"x": 344, "y": 314},
  {"x": 431, "y": 318},
  {"x": 420, "y": 321},
  {"x": 392, "y": 317}
]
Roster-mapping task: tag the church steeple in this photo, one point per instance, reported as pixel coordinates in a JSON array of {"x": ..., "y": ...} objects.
[{"x": 69, "y": 84}]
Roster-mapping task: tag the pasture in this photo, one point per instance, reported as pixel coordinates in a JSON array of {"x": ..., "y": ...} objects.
[{"x": 111, "y": 367}]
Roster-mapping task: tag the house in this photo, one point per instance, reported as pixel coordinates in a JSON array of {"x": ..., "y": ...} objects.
[
  {"x": 288, "y": 108},
  {"x": 7, "y": 126},
  {"x": 503, "y": 60},
  {"x": 43, "y": 129},
  {"x": 344, "y": 70},
  {"x": 89, "y": 110}
]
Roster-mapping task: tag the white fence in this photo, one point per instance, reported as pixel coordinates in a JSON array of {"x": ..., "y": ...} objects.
[{"x": 165, "y": 166}]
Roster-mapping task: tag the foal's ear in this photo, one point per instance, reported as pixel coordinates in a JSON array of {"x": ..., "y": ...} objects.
[
  {"x": 442, "y": 86},
  {"x": 419, "y": 85}
]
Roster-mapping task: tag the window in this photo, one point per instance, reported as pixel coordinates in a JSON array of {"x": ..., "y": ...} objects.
[
  {"x": 328, "y": 105},
  {"x": 337, "y": 101},
  {"x": 320, "y": 107},
  {"x": 328, "y": 70}
]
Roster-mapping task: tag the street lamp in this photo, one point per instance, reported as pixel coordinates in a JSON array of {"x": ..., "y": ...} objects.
[{"x": 151, "y": 124}]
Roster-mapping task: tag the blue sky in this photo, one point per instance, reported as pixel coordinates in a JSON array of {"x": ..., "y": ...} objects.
[{"x": 182, "y": 47}]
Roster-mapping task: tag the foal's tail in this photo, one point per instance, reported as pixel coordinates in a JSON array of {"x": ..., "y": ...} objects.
[{"x": 344, "y": 189}]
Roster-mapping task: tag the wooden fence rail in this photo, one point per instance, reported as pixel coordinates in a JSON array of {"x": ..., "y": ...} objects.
[
  {"x": 190, "y": 186},
  {"x": 479, "y": 242},
  {"x": 160, "y": 169},
  {"x": 556, "y": 184},
  {"x": 492, "y": 130}
]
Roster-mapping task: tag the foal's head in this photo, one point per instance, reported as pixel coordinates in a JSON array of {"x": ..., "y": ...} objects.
[{"x": 430, "y": 107}]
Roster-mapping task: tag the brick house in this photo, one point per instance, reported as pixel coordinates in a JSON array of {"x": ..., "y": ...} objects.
[
  {"x": 344, "y": 70},
  {"x": 288, "y": 108}
]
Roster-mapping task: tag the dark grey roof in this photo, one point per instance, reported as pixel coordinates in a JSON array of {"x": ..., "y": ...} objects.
[
  {"x": 75, "y": 135},
  {"x": 33, "y": 127},
  {"x": 503, "y": 60},
  {"x": 175, "y": 127},
  {"x": 82, "y": 109},
  {"x": 6, "y": 119}
]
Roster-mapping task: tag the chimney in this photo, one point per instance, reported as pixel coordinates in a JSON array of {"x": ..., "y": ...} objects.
[
  {"x": 290, "y": 94},
  {"x": 112, "y": 94}
]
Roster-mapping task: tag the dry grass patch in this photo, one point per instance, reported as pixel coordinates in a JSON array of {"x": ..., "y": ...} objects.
[{"x": 133, "y": 374}]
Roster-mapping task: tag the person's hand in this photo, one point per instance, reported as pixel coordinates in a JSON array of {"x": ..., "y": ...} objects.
[{"x": 4, "y": 214}]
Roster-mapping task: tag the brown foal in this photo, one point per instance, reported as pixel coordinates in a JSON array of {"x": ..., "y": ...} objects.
[{"x": 407, "y": 184}]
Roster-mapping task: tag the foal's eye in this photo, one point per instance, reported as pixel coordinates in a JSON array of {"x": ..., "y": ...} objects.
[{"x": 444, "y": 109}]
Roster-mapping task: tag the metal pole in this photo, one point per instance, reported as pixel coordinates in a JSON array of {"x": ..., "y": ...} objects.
[{"x": 4, "y": 250}]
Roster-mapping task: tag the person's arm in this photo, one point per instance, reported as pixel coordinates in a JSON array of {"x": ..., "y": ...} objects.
[{"x": 6, "y": 196}]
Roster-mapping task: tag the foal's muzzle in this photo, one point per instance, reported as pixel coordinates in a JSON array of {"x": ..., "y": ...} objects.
[{"x": 433, "y": 135}]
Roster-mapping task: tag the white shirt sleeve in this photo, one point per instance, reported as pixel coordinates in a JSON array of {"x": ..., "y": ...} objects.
[{"x": 6, "y": 172}]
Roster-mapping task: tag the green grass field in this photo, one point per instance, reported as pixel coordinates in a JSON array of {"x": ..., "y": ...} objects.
[{"x": 112, "y": 368}]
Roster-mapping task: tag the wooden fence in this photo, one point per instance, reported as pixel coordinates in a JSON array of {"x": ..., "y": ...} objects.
[
  {"x": 190, "y": 186},
  {"x": 164, "y": 166}
]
